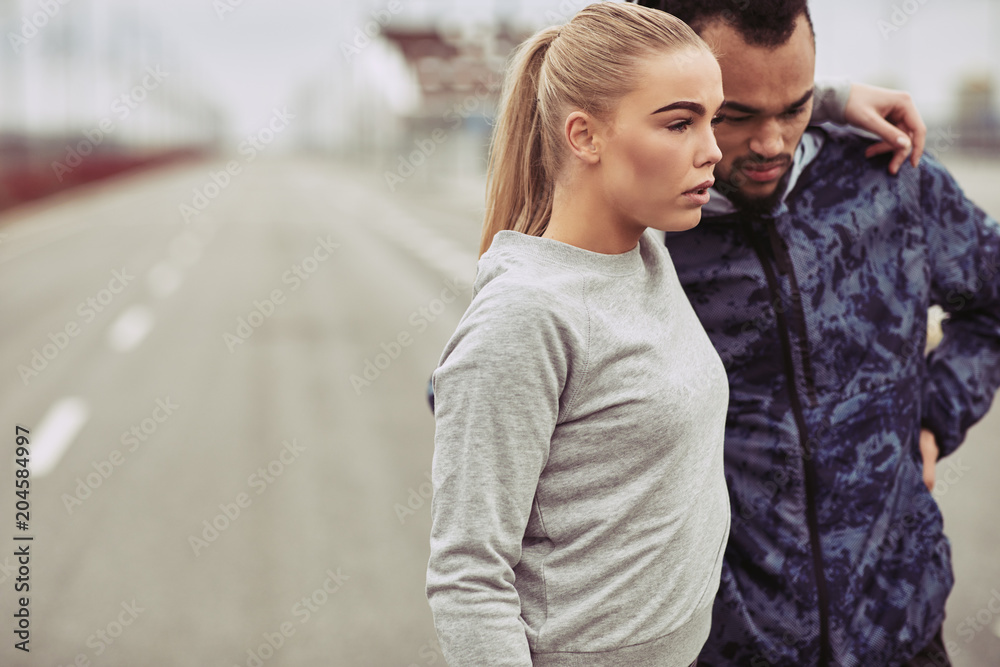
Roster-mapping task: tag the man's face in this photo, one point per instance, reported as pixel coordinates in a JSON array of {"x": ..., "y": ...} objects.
[{"x": 768, "y": 105}]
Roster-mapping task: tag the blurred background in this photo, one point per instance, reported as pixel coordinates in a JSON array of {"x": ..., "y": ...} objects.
[{"x": 234, "y": 238}]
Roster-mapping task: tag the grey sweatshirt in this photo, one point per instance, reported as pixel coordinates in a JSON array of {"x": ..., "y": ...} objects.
[{"x": 580, "y": 512}]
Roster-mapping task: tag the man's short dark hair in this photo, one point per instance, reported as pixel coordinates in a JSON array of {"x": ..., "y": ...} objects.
[{"x": 767, "y": 23}]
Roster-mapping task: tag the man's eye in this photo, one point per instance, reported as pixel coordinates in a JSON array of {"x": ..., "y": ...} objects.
[
  {"x": 792, "y": 113},
  {"x": 734, "y": 119}
]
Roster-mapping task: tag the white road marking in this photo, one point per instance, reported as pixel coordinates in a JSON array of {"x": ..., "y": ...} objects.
[
  {"x": 130, "y": 328},
  {"x": 55, "y": 433}
]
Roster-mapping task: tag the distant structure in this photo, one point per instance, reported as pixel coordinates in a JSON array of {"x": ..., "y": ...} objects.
[
  {"x": 978, "y": 120},
  {"x": 459, "y": 75},
  {"x": 450, "y": 66},
  {"x": 409, "y": 90}
]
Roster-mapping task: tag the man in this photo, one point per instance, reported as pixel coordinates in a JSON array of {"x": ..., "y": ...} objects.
[{"x": 812, "y": 271}]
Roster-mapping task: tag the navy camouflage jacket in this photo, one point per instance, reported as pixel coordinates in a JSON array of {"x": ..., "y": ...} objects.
[{"x": 818, "y": 309}]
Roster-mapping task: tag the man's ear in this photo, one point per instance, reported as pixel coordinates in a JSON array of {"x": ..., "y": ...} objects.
[{"x": 580, "y": 131}]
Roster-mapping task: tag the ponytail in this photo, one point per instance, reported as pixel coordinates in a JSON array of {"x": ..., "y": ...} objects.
[{"x": 519, "y": 190}]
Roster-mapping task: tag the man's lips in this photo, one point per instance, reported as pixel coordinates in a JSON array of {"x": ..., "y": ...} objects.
[{"x": 763, "y": 173}]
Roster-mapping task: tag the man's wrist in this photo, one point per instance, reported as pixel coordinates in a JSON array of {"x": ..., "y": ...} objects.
[
  {"x": 925, "y": 426},
  {"x": 830, "y": 101}
]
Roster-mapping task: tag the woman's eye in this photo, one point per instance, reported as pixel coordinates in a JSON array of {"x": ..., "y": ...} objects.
[
  {"x": 679, "y": 126},
  {"x": 717, "y": 120}
]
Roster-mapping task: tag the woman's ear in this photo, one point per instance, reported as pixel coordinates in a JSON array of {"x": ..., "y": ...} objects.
[{"x": 581, "y": 133}]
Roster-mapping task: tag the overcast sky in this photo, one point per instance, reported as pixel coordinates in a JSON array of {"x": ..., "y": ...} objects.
[{"x": 259, "y": 54}]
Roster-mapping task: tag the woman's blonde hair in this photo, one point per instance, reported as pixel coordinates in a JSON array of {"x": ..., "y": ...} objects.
[{"x": 587, "y": 64}]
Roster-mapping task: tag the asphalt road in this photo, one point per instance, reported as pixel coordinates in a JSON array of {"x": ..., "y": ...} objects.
[
  {"x": 229, "y": 436},
  {"x": 253, "y": 513}
]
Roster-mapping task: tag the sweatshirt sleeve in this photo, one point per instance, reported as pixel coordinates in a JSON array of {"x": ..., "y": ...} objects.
[
  {"x": 963, "y": 372},
  {"x": 830, "y": 101},
  {"x": 497, "y": 398}
]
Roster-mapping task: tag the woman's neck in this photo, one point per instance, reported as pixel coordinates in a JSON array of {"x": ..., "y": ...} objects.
[{"x": 582, "y": 218}]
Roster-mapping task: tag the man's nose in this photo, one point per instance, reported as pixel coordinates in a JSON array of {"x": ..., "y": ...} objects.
[{"x": 768, "y": 141}]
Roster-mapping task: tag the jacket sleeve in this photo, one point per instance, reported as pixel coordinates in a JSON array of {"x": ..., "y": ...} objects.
[
  {"x": 830, "y": 101},
  {"x": 963, "y": 372},
  {"x": 497, "y": 394}
]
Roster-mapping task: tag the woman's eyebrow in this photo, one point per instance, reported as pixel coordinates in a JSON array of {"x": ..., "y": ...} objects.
[{"x": 690, "y": 106}]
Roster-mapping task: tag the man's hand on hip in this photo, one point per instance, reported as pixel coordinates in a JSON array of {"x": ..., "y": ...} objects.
[{"x": 929, "y": 451}]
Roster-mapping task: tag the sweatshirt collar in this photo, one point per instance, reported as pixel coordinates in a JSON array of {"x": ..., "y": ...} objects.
[{"x": 518, "y": 244}]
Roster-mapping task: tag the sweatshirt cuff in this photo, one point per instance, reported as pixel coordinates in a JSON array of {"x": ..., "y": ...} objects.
[{"x": 830, "y": 103}]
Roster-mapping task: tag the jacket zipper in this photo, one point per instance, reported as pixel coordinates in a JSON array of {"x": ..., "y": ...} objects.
[
  {"x": 809, "y": 466},
  {"x": 779, "y": 250}
]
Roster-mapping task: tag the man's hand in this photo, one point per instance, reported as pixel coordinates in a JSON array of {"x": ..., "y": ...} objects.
[
  {"x": 891, "y": 115},
  {"x": 929, "y": 450}
]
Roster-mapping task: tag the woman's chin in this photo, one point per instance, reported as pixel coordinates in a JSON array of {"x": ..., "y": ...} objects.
[{"x": 680, "y": 222}]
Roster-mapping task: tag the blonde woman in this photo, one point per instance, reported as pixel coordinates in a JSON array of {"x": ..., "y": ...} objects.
[{"x": 580, "y": 511}]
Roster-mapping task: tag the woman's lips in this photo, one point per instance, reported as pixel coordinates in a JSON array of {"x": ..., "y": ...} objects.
[{"x": 699, "y": 195}]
